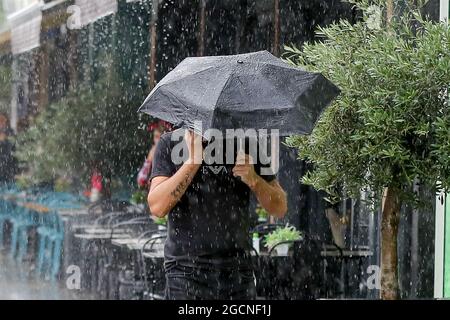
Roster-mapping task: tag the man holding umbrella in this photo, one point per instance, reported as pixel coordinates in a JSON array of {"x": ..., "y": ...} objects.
[{"x": 207, "y": 251}]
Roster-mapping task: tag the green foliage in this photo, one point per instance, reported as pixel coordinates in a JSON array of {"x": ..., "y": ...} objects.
[
  {"x": 261, "y": 212},
  {"x": 139, "y": 197},
  {"x": 92, "y": 126},
  {"x": 288, "y": 233},
  {"x": 62, "y": 185},
  {"x": 391, "y": 123},
  {"x": 5, "y": 87},
  {"x": 160, "y": 221},
  {"x": 23, "y": 182}
]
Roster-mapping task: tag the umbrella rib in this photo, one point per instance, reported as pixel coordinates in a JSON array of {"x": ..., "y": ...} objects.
[
  {"x": 217, "y": 100},
  {"x": 185, "y": 76},
  {"x": 156, "y": 89}
]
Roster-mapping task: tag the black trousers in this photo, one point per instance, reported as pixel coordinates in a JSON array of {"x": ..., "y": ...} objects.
[{"x": 193, "y": 283}]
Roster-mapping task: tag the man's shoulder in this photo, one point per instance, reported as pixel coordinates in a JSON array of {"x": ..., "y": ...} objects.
[
  {"x": 169, "y": 139},
  {"x": 166, "y": 139},
  {"x": 166, "y": 136},
  {"x": 172, "y": 135},
  {"x": 162, "y": 161}
]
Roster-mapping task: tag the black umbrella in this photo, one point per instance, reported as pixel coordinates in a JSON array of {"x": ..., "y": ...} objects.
[{"x": 249, "y": 91}]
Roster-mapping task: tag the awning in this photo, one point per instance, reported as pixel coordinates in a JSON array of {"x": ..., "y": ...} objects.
[
  {"x": 25, "y": 29},
  {"x": 91, "y": 11}
]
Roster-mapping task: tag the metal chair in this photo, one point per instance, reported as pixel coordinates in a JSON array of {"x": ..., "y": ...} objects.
[
  {"x": 110, "y": 266},
  {"x": 131, "y": 279},
  {"x": 266, "y": 228},
  {"x": 153, "y": 274},
  {"x": 296, "y": 276},
  {"x": 108, "y": 205}
]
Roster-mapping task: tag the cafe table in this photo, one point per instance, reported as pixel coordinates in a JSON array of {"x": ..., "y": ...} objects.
[
  {"x": 130, "y": 243},
  {"x": 349, "y": 287}
]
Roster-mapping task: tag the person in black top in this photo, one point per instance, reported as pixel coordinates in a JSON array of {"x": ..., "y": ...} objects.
[
  {"x": 207, "y": 250},
  {"x": 7, "y": 161}
]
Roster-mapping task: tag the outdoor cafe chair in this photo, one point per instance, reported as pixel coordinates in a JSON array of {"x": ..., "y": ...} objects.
[
  {"x": 153, "y": 273},
  {"x": 50, "y": 244},
  {"x": 6, "y": 213},
  {"x": 107, "y": 205},
  {"x": 344, "y": 271},
  {"x": 108, "y": 219},
  {"x": 139, "y": 275},
  {"x": 7, "y": 208},
  {"x": 111, "y": 265},
  {"x": 17, "y": 216},
  {"x": 114, "y": 221},
  {"x": 38, "y": 217},
  {"x": 95, "y": 249},
  {"x": 105, "y": 219},
  {"x": 130, "y": 282},
  {"x": 22, "y": 220},
  {"x": 296, "y": 276},
  {"x": 101, "y": 222},
  {"x": 90, "y": 247}
]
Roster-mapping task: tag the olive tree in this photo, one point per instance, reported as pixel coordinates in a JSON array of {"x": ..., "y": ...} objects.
[{"x": 390, "y": 126}]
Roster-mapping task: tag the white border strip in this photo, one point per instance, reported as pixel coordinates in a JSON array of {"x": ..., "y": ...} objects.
[
  {"x": 439, "y": 246},
  {"x": 443, "y": 10},
  {"x": 440, "y": 206}
]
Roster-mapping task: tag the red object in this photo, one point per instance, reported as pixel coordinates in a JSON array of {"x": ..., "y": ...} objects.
[
  {"x": 96, "y": 181},
  {"x": 144, "y": 173},
  {"x": 159, "y": 124}
]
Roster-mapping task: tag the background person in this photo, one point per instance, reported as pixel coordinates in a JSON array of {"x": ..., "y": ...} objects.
[
  {"x": 7, "y": 161},
  {"x": 156, "y": 128}
]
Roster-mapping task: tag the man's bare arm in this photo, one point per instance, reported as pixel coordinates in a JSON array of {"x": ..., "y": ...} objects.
[
  {"x": 270, "y": 195},
  {"x": 165, "y": 192}
]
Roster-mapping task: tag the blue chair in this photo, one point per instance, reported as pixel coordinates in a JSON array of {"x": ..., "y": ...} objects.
[
  {"x": 6, "y": 211},
  {"x": 49, "y": 227},
  {"x": 7, "y": 208},
  {"x": 21, "y": 221},
  {"x": 51, "y": 231},
  {"x": 50, "y": 245}
]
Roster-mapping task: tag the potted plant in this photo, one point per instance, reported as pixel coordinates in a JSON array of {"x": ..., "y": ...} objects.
[
  {"x": 288, "y": 233},
  {"x": 262, "y": 214},
  {"x": 161, "y": 222}
]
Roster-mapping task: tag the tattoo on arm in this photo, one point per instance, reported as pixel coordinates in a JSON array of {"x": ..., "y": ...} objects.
[{"x": 181, "y": 187}]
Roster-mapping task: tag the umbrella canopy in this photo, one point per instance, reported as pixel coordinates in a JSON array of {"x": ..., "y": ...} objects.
[{"x": 246, "y": 91}]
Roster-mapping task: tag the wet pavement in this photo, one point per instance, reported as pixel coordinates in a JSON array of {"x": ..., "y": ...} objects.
[{"x": 17, "y": 282}]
